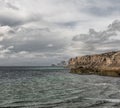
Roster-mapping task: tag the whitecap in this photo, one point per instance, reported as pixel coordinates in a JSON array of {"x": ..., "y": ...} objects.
[{"x": 108, "y": 100}]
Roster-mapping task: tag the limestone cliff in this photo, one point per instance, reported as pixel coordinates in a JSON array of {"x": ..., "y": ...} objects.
[{"x": 100, "y": 64}]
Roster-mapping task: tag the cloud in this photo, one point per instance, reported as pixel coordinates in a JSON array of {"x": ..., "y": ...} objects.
[
  {"x": 96, "y": 42},
  {"x": 12, "y": 14},
  {"x": 102, "y": 8},
  {"x": 31, "y": 43},
  {"x": 9, "y": 5},
  {"x": 16, "y": 19},
  {"x": 36, "y": 40},
  {"x": 50, "y": 45},
  {"x": 6, "y": 32}
]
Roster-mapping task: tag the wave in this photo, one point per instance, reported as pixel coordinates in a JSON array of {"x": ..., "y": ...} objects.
[
  {"x": 94, "y": 102},
  {"x": 107, "y": 100}
]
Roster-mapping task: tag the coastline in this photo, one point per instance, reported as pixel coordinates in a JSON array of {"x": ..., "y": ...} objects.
[{"x": 106, "y": 64}]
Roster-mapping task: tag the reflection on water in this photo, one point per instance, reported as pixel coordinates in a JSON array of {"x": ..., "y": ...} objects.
[{"x": 53, "y": 87}]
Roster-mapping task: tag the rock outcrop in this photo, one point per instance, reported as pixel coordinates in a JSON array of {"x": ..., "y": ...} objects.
[{"x": 107, "y": 64}]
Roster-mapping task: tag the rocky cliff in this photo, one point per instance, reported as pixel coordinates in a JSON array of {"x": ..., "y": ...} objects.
[{"x": 101, "y": 64}]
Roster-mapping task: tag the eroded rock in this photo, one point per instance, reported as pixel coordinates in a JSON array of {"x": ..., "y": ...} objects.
[{"x": 101, "y": 64}]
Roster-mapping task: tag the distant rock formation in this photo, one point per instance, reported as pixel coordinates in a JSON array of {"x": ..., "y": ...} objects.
[
  {"x": 62, "y": 63},
  {"x": 107, "y": 64},
  {"x": 53, "y": 65}
]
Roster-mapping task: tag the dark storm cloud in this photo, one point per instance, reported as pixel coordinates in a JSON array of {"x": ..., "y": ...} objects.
[
  {"x": 98, "y": 11},
  {"x": 114, "y": 1},
  {"x": 16, "y": 19},
  {"x": 10, "y": 20},
  {"x": 68, "y": 24},
  {"x": 103, "y": 8}
]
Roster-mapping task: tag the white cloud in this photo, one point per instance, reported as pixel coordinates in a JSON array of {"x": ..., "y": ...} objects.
[
  {"x": 50, "y": 45},
  {"x": 5, "y": 32},
  {"x": 96, "y": 42}
]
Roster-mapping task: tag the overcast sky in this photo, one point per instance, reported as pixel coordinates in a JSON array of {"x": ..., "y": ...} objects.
[{"x": 42, "y": 32}]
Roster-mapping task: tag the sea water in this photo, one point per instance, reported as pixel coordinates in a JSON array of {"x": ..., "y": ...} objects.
[{"x": 55, "y": 87}]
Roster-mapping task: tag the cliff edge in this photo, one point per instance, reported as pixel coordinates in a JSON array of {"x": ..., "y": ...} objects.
[{"x": 107, "y": 64}]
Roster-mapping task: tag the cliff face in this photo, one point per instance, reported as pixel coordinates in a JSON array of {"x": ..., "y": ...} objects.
[{"x": 101, "y": 64}]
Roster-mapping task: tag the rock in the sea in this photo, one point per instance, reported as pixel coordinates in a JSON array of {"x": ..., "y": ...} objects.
[{"x": 107, "y": 64}]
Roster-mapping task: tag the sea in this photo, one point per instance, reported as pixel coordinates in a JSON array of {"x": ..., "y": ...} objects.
[{"x": 56, "y": 87}]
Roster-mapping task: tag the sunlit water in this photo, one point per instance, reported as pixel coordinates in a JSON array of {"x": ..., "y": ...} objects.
[{"x": 55, "y": 87}]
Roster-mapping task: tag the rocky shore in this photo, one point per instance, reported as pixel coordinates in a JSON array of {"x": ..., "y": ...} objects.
[{"x": 107, "y": 64}]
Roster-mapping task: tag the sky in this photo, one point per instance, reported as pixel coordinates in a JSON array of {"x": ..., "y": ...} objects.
[{"x": 43, "y": 32}]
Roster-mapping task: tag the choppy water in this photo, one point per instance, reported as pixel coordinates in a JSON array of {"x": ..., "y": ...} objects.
[{"x": 55, "y": 87}]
